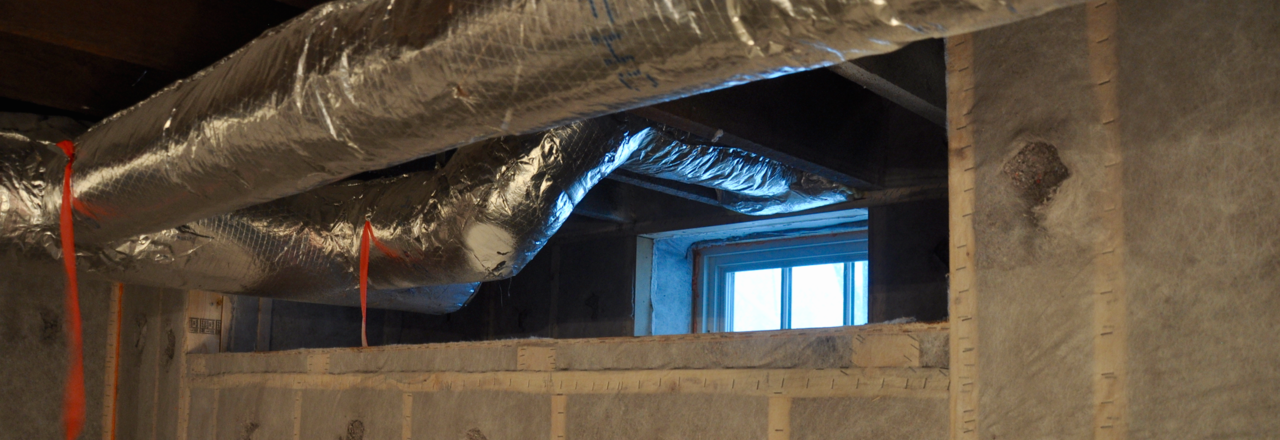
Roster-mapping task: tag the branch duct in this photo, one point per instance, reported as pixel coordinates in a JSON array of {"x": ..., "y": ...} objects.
[
  {"x": 481, "y": 217},
  {"x": 745, "y": 182},
  {"x": 358, "y": 85}
]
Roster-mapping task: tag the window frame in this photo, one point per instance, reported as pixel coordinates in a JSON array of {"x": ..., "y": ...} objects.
[{"x": 712, "y": 265}]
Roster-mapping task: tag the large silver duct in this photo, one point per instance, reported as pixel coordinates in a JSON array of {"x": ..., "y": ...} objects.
[
  {"x": 224, "y": 253},
  {"x": 481, "y": 217},
  {"x": 357, "y": 85}
]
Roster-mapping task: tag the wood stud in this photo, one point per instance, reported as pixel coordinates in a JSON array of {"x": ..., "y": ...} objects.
[
  {"x": 963, "y": 297},
  {"x": 927, "y": 383},
  {"x": 1110, "y": 303}
]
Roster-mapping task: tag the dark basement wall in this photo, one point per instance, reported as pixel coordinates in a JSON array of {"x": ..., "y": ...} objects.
[
  {"x": 571, "y": 289},
  {"x": 908, "y": 251},
  {"x": 1199, "y": 119}
]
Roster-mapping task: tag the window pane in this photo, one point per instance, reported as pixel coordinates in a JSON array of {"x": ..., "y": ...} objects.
[
  {"x": 860, "y": 280},
  {"x": 817, "y": 296},
  {"x": 757, "y": 300}
]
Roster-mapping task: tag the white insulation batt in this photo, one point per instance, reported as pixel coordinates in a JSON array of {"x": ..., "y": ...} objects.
[{"x": 1139, "y": 298}]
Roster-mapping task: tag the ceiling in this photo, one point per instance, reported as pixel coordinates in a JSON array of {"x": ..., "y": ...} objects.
[{"x": 89, "y": 59}]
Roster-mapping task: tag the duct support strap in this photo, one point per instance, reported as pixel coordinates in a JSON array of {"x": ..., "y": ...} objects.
[{"x": 73, "y": 398}]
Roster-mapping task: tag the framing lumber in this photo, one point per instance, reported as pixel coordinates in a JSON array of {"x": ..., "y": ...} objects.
[
  {"x": 670, "y": 187},
  {"x": 1110, "y": 342},
  {"x": 964, "y": 296},
  {"x": 654, "y": 224},
  {"x": 111, "y": 382},
  {"x": 302, "y": 4},
  {"x": 175, "y": 36},
  {"x": 913, "y": 77},
  {"x": 814, "y": 121},
  {"x": 82, "y": 83},
  {"x": 819, "y": 122},
  {"x": 779, "y": 422},
  {"x": 204, "y": 324},
  {"x": 929, "y": 383},
  {"x": 603, "y": 205},
  {"x": 672, "y": 115}
]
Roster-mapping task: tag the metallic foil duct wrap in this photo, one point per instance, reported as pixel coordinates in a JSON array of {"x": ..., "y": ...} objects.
[
  {"x": 183, "y": 257},
  {"x": 481, "y": 217},
  {"x": 23, "y": 165},
  {"x": 27, "y": 155},
  {"x": 746, "y": 182},
  {"x": 357, "y": 85}
]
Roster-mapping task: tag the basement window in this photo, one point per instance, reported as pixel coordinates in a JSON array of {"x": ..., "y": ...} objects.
[{"x": 792, "y": 283}]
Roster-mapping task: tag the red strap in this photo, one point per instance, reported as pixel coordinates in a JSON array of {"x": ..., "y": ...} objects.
[
  {"x": 73, "y": 397},
  {"x": 365, "y": 235}
]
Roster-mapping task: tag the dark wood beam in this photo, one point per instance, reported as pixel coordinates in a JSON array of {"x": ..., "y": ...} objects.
[
  {"x": 678, "y": 119},
  {"x": 819, "y": 122},
  {"x": 179, "y": 36},
  {"x": 913, "y": 77},
  {"x": 662, "y": 216},
  {"x": 303, "y": 4},
  {"x": 670, "y": 187},
  {"x": 815, "y": 121},
  {"x": 601, "y": 203},
  {"x": 871, "y": 198},
  {"x": 9, "y": 105},
  {"x": 49, "y": 75}
]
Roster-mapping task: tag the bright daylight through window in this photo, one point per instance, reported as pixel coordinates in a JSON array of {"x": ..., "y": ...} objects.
[
  {"x": 821, "y": 295},
  {"x": 806, "y": 282}
]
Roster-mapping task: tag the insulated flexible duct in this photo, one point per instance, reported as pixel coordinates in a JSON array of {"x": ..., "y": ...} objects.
[
  {"x": 481, "y": 217},
  {"x": 745, "y": 182},
  {"x": 357, "y": 85}
]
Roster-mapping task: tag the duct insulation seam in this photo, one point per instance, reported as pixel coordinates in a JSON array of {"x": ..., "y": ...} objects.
[
  {"x": 358, "y": 85},
  {"x": 481, "y": 217}
]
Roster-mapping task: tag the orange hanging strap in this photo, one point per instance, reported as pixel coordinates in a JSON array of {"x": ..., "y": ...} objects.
[
  {"x": 365, "y": 236},
  {"x": 73, "y": 397}
]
